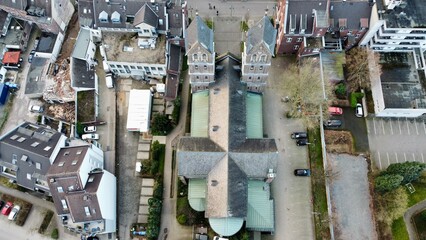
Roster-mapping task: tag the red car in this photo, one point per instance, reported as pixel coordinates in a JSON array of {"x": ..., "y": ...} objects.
[
  {"x": 7, "y": 208},
  {"x": 335, "y": 110}
]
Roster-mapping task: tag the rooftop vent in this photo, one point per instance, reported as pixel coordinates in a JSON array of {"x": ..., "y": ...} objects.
[
  {"x": 215, "y": 128},
  {"x": 214, "y": 183}
]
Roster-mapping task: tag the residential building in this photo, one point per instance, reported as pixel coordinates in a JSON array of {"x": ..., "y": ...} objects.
[
  {"x": 83, "y": 193},
  {"x": 27, "y": 152},
  {"x": 83, "y": 76},
  {"x": 298, "y": 20},
  {"x": 49, "y": 16},
  {"x": 397, "y": 28},
  {"x": 199, "y": 47},
  {"x": 257, "y": 54},
  {"x": 226, "y": 161},
  {"x": 135, "y": 45},
  {"x": 307, "y": 26}
]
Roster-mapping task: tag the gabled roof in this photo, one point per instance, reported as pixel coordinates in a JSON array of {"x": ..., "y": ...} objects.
[
  {"x": 262, "y": 33},
  {"x": 146, "y": 15},
  {"x": 199, "y": 32}
]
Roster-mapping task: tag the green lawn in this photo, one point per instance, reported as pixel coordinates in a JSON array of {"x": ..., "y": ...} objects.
[
  {"x": 418, "y": 195},
  {"x": 322, "y": 230},
  {"x": 399, "y": 231}
]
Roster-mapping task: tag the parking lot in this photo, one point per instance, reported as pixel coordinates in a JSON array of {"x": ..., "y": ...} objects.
[{"x": 396, "y": 140}]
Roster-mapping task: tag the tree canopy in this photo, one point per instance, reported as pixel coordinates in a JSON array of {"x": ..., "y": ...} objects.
[
  {"x": 410, "y": 171},
  {"x": 360, "y": 63},
  {"x": 303, "y": 84},
  {"x": 388, "y": 182}
]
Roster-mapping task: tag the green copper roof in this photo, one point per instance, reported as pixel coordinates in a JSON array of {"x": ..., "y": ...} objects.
[
  {"x": 197, "y": 194},
  {"x": 260, "y": 211},
  {"x": 200, "y": 114},
  {"x": 254, "y": 118},
  {"x": 226, "y": 226}
]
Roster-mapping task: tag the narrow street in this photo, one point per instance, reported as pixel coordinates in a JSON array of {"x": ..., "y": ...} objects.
[{"x": 168, "y": 214}]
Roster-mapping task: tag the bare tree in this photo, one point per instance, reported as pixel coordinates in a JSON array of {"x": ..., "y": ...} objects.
[
  {"x": 358, "y": 70},
  {"x": 303, "y": 84}
]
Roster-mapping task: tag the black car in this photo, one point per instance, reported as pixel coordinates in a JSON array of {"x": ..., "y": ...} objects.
[
  {"x": 302, "y": 142},
  {"x": 1, "y": 204},
  {"x": 333, "y": 123},
  {"x": 299, "y": 135},
  {"x": 302, "y": 172}
]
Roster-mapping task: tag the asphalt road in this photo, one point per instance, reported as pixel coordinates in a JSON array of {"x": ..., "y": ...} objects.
[{"x": 292, "y": 195}]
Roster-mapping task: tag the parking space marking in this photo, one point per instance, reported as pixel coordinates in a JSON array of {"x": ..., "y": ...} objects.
[
  {"x": 405, "y": 156},
  {"x": 414, "y": 158},
  {"x": 396, "y": 157},
  {"x": 424, "y": 126},
  {"x": 383, "y": 127},
  {"x": 390, "y": 122},
  {"x": 408, "y": 127},
  {"x": 399, "y": 125},
  {"x": 374, "y": 125},
  {"x": 417, "y": 130},
  {"x": 380, "y": 161},
  {"x": 387, "y": 154},
  {"x": 423, "y": 159}
]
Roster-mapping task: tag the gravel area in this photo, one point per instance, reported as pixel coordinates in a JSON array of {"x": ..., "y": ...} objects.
[{"x": 351, "y": 197}]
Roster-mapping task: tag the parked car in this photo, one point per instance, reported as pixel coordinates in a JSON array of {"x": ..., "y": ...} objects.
[
  {"x": 302, "y": 172},
  {"x": 7, "y": 208},
  {"x": 302, "y": 142},
  {"x": 90, "y": 136},
  {"x": 36, "y": 109},
  {"x": 31, "y": 56},
  {"x": 333, "y": 123},
  {"x": 90, "y": 129},
  {"x": 359, "y": 110},
  {"x": 335, "y": 110},
  {"x": 299, "y": 135},
  {"x": 14, "y": 212}
]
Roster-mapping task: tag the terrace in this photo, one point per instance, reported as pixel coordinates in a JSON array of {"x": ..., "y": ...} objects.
[{"x": 123, "y": 47}]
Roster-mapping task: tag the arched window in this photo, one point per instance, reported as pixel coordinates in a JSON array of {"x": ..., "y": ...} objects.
[
  {"x": 263, "y": 58},
  {"x": 254, "y": 58}
]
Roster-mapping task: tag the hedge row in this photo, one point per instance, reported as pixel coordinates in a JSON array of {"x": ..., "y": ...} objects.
[{"x": 46, "y": 220}]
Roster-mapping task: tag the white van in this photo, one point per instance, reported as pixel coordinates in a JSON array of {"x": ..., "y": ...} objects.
[{"x": 109, "y": 80}]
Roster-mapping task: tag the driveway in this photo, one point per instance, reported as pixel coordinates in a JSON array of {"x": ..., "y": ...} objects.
[
  {"x": 292, "y": 195},
  {"x": 350, "y": 197},
  {"x": 396, "y": 140},
  {"x": 129, "y": 185}
]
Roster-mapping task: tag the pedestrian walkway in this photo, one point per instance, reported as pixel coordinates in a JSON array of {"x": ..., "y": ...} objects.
[
  {"x": 147, "y": 191},
  {"x": 408, "y": 218}
]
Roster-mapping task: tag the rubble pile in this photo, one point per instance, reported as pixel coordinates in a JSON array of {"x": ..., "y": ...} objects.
[{"x": 65, "y": 112}]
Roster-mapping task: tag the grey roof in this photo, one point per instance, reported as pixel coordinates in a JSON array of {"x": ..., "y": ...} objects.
[
  {"x": 46, "y": 43},
  {"x": 82, "y": 75},
  {"x": 3, "y": 18},
  {"x": 410, "y": 14},
  {"x": 35, "y": 83},
  {"x": 85, "y": 13},
  {"x": 262, "y": 33},
  {"x": 304, "y": 9},
  {"x": 175, "y": 20},
  {"x": 30, "y": 144},
  {"x": 81, "y": 45},
  {"x": 351, "y": 11},
  {"x": 17, "y": 4},
  {"x": 125, "y": 8},
  {"x": 226, "y": 158},
  {"x": 199, "y": 32},
  {"x": 146, "y": 15},
  {"x": 174, "y": 59},
  {"x": 68, "y": 160}
]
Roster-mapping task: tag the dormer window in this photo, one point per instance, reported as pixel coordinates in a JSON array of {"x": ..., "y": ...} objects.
[
  {"x": 103, "y": 17},
  {"x": 115, "y": 17}
]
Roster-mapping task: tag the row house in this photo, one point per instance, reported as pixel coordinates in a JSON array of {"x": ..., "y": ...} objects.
[
  {"x": 26, "y": 154},
  {"x": 305, "y": 27},
  {"x": 83, "y": 193}
]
